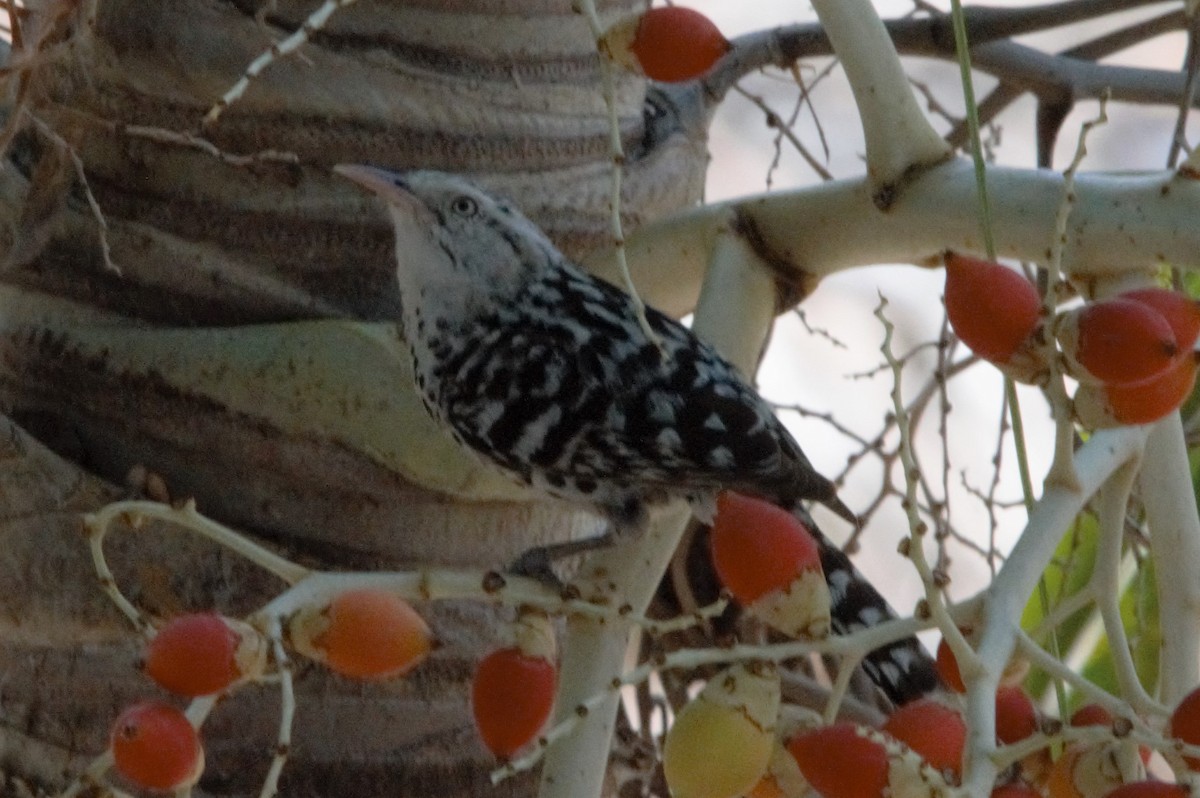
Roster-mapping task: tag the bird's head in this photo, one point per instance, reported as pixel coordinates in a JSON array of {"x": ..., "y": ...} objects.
[{"x": 451, "y": 235}]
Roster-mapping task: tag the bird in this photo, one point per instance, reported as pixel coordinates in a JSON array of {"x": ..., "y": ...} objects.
[{"x": 550, "y": 374}]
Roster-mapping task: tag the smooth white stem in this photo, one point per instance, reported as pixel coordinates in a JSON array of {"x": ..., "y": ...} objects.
[
  {"x": 1106, "y": 583},
  {"x": 189, "y": 518},
  {"x": 1056, "y": 669},
  {"x": 898, "y": 136},
  {"x": 287, "y": 712},
  {"x": 1170, "y": 501},
  {"x": 594, "y": 654}
]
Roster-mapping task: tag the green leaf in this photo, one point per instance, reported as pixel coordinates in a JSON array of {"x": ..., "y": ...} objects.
[{"x": 1070, "y": 571}]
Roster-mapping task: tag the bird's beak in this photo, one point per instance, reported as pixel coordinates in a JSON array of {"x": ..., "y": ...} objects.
[{"x": 389, "y": 186}]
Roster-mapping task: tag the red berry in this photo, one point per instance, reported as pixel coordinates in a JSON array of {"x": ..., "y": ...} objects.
[
  {"x": 838, "y": 762},
  {"x": 947, "y": 668},
  {"x": 155, "y": 747},
  {"x": 1015, "y": 790},
  {"x": 935, "y": 731},
  {"x": 1185, "y": 725},
  {"x": 770, "y": 563},
  {"x": 1181, "y": 312},
  {"x": 511, "y": 697},
  {"x": 204, "y": 653},
  {"x": 992, "y": 308},
  {"x": 1143, "y": 402},
  {"x": 1105, "y": 406},
  {"x": 365, "y": 633},
  {"x": 1116, "y": 341},
  {"x": 758, "y": 547},
  {"x": 1091, "y": 715},
  {"x": 674, "y": 44},
  {"x": 1149, "y": 789},
  {"x": 1016, "y": 718}
]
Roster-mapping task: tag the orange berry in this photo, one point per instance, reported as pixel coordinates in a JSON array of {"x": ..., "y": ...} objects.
[
  {"x": 947, "y": 668},
  {"x": 933, "y": 730},
  {"x": 1116, "y": 342},
  {"x": 838, "y": 762},
  {"x": 783, "y": 778},
  {"x": 366, "y": 633},
  {"x": 1105, "y": 406},
  {"x": 204, "y": 653},
  {"x": 992, "y": 308},
  {"x": 668, "y": 44},
  {"x": 156, "y": 748},
  {"x": 1181, "y": 312},
  {"x": 766, "y": 787},
  {"x": 1185, "y": 725},
  {"x": 1016, "y": 717},
  {"x": 511, "y": 698},
  {"x": 1060, "y": 782},
  {"x": 771, "y": 564},
  {"x": 1088, "y": 771}
]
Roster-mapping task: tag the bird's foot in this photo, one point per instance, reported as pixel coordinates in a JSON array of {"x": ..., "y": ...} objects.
[{"x": 538, "y": 562}]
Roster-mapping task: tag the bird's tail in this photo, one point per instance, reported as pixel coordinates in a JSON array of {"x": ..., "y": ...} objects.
[{"x": 903, "y": 670}]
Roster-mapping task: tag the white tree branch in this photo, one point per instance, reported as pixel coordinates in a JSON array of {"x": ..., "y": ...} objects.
[
  {"x": 899, "y": 138},
  {"x": 1170, "y": 500},
  {"x": 1112, "y": 504},
  {"x": 1005, "y": 598},
  {"x": 735, "y": 316},
  {"x": 1119, "y": 224}
]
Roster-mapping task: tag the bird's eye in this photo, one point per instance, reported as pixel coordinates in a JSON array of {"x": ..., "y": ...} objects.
[{"x": 464, "y": 206}]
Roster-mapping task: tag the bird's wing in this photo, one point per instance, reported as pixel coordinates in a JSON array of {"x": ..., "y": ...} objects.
[{"x": 588, "y": 395}]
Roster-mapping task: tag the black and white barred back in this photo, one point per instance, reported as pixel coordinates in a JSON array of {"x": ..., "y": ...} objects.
[{"x": 546, "y": 372}]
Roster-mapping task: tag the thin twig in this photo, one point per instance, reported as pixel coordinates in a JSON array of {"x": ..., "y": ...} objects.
[
  {"x": 299, "y": 37},
  {"x": 934, "y": 597},
  {"x": 195, "y": 142},
  {"x": 81, "y": 176},
  {"x": 617, "y": 153}
]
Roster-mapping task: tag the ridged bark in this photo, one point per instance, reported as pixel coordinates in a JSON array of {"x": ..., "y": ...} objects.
[{"x": 229, "y": 353}]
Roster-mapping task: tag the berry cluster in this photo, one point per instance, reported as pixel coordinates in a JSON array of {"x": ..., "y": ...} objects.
[
  {"x": 361, "y": 634},
  {"x": 729, "y": 741},
  {"x": 737, "y": 737},
  {"x": 364, "y": 633},
  {"x": 361, "y": 627},
  {"x": 919, "y": 750},
  {"x": 1131, "y": 354}
]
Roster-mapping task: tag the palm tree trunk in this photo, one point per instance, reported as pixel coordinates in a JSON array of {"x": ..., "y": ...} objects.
[{"x": 241, "y": 345}]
